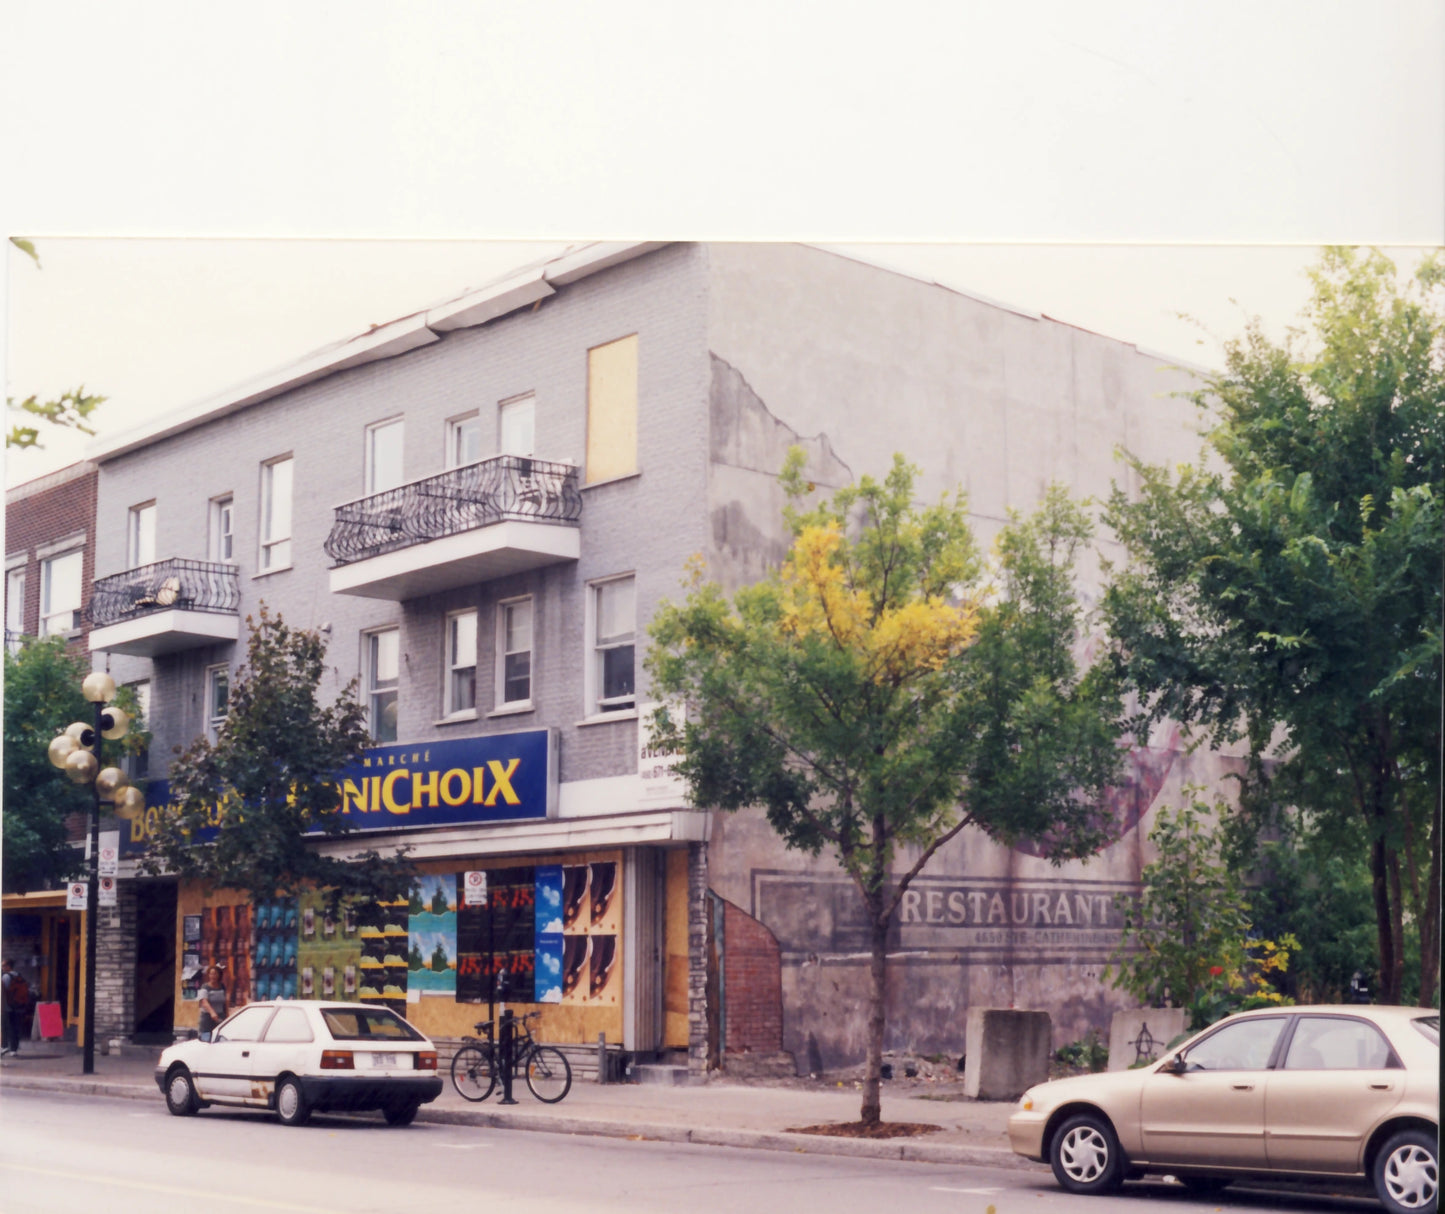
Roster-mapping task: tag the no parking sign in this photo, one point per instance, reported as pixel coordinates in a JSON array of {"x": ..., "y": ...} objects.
[{"x": 474, "y": 888}]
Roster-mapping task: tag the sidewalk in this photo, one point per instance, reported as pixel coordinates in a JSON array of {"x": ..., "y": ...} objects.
[{"x": 756, "y": 1114}]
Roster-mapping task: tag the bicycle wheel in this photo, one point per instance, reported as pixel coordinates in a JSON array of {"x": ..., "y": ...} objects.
[
  {"x": 473, "y": 1075},
  {"x": 549, "y": 1074}
]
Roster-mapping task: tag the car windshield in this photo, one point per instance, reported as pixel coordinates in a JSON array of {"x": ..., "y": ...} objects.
[
  {"x": 358, "y": 1024},
  {"x": 1429, "y": 1028}
]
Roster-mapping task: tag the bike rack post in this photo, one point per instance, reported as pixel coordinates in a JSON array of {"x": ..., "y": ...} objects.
[{"x": 506, "y": 1042}]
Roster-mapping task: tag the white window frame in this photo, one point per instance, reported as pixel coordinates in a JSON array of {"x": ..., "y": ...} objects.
[
  {"x": 502, "y": 653},
  {"x": 398, "y": 425},
  {"x": 214, "y": 719},
  {"x": 221, "y": 542},
  {"x": 140, "y": 535},
  {"x": 452, "y": 667},
  {"x": 136, "y": 766},
  {"x": 369, "y": 641},
  {"x": 592, "y": 675},
  {"x": 15, "y": 606},
  {"x": 276, "y": 532},
  {"x": 455, "y": 428},
  {"x": 515, "y": 403},
  {"x": 47, "y": 612}
]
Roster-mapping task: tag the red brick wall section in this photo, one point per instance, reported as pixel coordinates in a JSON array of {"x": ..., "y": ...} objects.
[
  {"x": 45, "y": 510},
  {"x": 753, "y": 991}
]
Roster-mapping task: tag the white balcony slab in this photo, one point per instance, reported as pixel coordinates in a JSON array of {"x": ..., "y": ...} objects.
[
  {"x": 463, "y": 559},
  {"x": 161, "y": 632}
]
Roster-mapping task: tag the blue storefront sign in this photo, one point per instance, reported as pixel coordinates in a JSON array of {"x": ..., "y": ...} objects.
[{"x": 464, "y": 781}]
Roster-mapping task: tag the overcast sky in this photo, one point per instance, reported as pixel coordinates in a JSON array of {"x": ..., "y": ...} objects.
[{"x": 1157, "y": 161}]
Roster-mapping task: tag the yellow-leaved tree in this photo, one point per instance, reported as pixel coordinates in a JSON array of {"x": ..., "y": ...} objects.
[{"x": 887, "y": 688}]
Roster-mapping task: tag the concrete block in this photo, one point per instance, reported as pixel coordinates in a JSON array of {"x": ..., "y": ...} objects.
[
  {"x": 1146, "y": 1029},
  {"x": 1006, "y": 1051}
]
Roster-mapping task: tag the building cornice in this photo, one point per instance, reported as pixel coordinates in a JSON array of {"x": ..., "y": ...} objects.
[{"x": 511, "y": 293}]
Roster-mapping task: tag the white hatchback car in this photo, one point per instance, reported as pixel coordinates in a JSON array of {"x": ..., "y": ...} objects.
[{"x": 294, "y": 1057}]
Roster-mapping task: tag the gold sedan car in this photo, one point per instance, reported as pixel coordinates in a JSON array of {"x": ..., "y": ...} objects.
[{"x": 1308, "y": 1092}]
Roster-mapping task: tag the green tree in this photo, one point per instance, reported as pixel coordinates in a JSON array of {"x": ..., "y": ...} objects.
[
  {"x": 414, "y": 904},
  {"x": 243, "y": 811},
  {"x": 880, "y": 693},
  {"x": 414, "y": 959},
  {"x": 1189, "y": 939},
  {"x": 1286, "y": 590},
  {"x": 42, "y": 697},
  {"x": 439, "y": 961},
  {"x": 439, "y": 902},
  {"x": 1311, "y": 882}
]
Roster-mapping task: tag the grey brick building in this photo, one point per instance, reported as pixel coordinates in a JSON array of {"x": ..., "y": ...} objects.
[{"x": 482, "y": 504}]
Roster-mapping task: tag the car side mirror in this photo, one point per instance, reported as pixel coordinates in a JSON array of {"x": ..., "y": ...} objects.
[{"x": 1176, "y": 1065}]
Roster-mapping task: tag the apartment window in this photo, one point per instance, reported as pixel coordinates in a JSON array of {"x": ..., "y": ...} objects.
[
  {"x": 461, "y": 662},
  {"x": 14, "y": 608},
  {"x": 137, "y": 764},
  {"x": 383, "y": 652},
  {"x": 218, "y": 700},
  {"x": 516, "y": 425},
  {"x": 276, "y": 513},
  {"x": 614, "y": 622},
  {"x": 222, "y": 529},
  {"x": 383, "y": 455},
  {"x": 514, "y": 651},
  {"x": 612, "y": 410},
  {"x": 464, "y": 440},
  {"x": 60, "y": 594},
  {"x": 141, "y": 536}
]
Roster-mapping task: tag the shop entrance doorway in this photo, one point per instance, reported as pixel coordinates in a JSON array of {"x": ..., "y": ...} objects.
[{"x": 155, "y": 962}]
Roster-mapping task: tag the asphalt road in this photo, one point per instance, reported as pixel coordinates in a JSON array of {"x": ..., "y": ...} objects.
[{"x": 92, "y": 1155}]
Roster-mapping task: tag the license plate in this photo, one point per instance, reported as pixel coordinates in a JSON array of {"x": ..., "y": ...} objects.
[{"x": 384, "y": 1060}]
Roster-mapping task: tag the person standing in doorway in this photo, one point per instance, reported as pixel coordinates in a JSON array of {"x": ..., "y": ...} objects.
[{"x": 212, "y": 996}]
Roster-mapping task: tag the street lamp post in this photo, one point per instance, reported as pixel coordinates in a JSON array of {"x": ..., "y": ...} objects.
[{"x": 77, "y": 752}]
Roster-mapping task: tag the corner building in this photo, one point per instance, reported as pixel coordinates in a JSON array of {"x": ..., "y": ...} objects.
[{"x": 481, "y": 506}]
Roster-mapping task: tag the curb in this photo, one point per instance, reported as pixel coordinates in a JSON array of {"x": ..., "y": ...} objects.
[{"x": 906, "y": 1150}]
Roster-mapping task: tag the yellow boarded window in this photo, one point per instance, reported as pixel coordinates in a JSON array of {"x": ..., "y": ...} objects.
[{"x": 612, "y": 410}]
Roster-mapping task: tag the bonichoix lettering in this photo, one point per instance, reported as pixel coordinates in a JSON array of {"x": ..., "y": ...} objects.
[{"x": 499, "y": 778}]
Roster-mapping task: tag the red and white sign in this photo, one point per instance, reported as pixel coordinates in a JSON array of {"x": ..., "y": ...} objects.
[
  {"x": 75, "y": 896},
  {"x": 106, "y": 892},
  {"x": 109, "y": 858},
  {"x": 474, "y": 888}
]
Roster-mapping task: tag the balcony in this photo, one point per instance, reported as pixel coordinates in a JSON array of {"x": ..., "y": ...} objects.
[
  {"x": 165, "y": 607},
  {"x": 467, "y": 525}
]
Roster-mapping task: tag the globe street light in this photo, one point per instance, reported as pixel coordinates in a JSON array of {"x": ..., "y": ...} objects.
[{"x": 77, "y": 753}]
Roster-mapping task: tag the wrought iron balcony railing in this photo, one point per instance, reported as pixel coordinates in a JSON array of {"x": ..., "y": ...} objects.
[
  {"x": 505, "y": 487},
  {"x": 166, "y": 585}
]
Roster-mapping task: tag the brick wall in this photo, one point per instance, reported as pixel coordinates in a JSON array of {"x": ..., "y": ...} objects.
[
  {"x": 41, "y": 513},
  {"x": 753, "y": 975},
  {"x": 115, "y": 966},
  {"x": 697, "y": 897}
]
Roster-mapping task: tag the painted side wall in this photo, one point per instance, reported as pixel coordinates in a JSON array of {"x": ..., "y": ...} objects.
[{"x": 859, "y": 363}]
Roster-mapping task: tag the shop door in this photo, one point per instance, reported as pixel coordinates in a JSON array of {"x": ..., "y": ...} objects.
[
  {"x": 155, "y": 961},
  {"x": 643, "y": 926}
]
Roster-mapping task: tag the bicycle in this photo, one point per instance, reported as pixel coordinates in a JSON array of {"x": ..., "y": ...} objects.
[{"x": 476, "y": 1063}]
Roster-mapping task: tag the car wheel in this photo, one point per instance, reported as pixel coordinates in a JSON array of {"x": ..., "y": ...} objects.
[
  {"x": 181, "y": 1093},
  {"x": 291, "y": 1103},
  {"x": 1407, "y": 1174},
  {"x": 1205, "y": 1186},
  {"x": 1085, "y": 1155},
  {"x": 400, "y": 1114}
]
